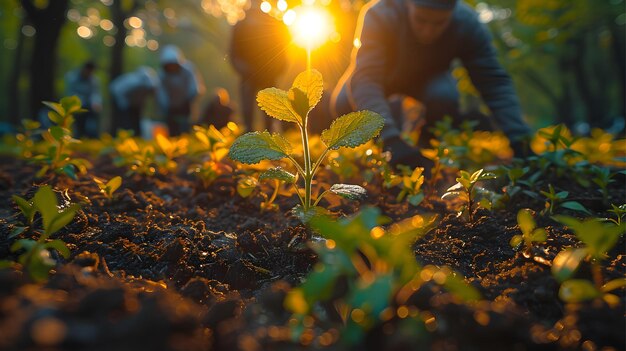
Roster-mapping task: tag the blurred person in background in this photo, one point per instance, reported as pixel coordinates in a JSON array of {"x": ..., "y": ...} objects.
[
  {"x": 180, "y": 84},
  {"x": 218, "y": 110},
  {"x": 258, "y": 54},
  {"x": 407, "y": 48},
  {"x": 83, "y": 83},
  {"x": 129, "y": 94}
]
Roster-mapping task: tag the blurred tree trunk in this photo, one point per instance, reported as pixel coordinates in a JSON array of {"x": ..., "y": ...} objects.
[
  {"x": 48, "y": 22},
  {"x": 618, "y": 42},
  {"x": 595, "y": 111},
  {"x": 118, "y": 16},
  {"x": 14, "y": 78}
]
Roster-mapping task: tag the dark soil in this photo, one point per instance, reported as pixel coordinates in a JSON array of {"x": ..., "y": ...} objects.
[{"x": 168, "y": 265}]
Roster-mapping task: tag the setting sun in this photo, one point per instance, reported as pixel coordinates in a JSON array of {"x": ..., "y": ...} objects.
[{"x": 311, "y": 27}]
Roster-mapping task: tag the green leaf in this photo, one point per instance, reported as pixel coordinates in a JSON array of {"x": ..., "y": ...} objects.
[
  {"x": 299, "y": 102},
  {"x": 62, "y": 219},
  {"x": 576, "y": 206},
  {"x": 311, "y": 83},
  {"x": 16, "y": 231},
  {"x": 278, "y": 173},
  {"x": 70, "y": 171},
  {"x": 598, "y": 236},
  {"x": 46, "y": 203},
  {"x": 71, "y": 104},
  {"x": 27, "y": 208},
  {"x": 5, "y": 264},
  {"x": 525, "y": 221},
  {"x": 60, "y": 246},
  {"x": 578, "y": 290},
  {"x": 516, "y": 241},
  {"x": 307, "y": 216},
  {"x": 416, "y": 199},
  {"x": 114, "y": 184},
  {"x": 457, "y": 286},
  {"x": 614, "y": 284},
  {"x": 567, "y": 262},
  {"x": 349, "y": 191},
  {"x": 353, "y": 129},
  {"x": 55, "y": 107},
  {"x": 539, "y": 235},
  {"x": 25, "y": 244},
  {"x": 246, "y": 185},
  {"x": 255, "y": 147},
  {"x": 57, "y": 132},
  {"x": 275, "y": 103}
]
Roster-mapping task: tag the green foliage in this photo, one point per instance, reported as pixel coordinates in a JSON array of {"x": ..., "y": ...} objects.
[
  {"x": 619, "y": 212},
  {"x": 466, "y": 188},
  {"x": 598, "y": 238},
  {"x": 107, "y": 188},
  {"x": 255, "y": 147},
  {"x": 412, "y": 186},
  {"x": 58, "y": 138},
  {"x": 36, "y": 256},
  {"x": 377, "y": 268},
  {"x": 530, "y": 232},
  {"x": 294, "y": 106},
  {"x": 556, "y": 199}
]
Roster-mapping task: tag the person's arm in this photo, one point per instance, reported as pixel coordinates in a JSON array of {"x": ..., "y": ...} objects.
[
  {"x": 367, "y": 83},
  {"x": 494, "y": 84}
]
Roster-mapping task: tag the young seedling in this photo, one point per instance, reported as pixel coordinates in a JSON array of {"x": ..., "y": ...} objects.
[
  {"x": 376, "y": 269},
  {"x": 350, "y": 130},
  {"x": 107, "y": 188},
  {"x": 619, "y": 212},
  {"x": 598, "y": 238},
  {"x": 58, "y": 157},
  {"x": 36, "y": 257},
  {"x": 412, "y": 187},
  {"x": 214, "y": 145},
  {"x": 530, "y": 233},
  {"x": 28, "y": 210},
  {"x": 554, "y": 200},
  {"x": 466, "y": 188},
  {"x": 170, "y": 149},
  {"x": 602, "y": 178},
  {"x": 279, "y": 176}
]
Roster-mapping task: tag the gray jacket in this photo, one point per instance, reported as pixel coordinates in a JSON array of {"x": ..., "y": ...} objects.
[{"x": 391, "y": 61}]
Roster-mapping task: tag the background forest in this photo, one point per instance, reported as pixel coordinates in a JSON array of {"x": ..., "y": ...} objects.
[{"x": 566, "y": 57}]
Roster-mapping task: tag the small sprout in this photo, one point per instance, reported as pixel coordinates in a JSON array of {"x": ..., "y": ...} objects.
[
  {"x": 351, "y": 130},
  {"x": 602, "y": 178},
  {"x": 36, "y": 257},
  {"x": 465, "y": 188},
  {"x": 246, "y": 185},
  {"x": 107, "y": 188},
  {"x": 555, "y": 200},
  {"x": 619, "y": 212},
  {"x": 412, "y": 187},
  {"x": 279, "y": 175},
  {"x": 598, "y": 238},
  {"x": 58, "y": 138},
  {"x": 530, "y": 233},
  {"x": 26, "y": 207}
]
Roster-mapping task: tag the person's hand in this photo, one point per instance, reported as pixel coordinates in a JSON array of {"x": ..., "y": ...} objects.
[
  {"x": 404, "y": 154},
  {"x": 521, "y": 149}
]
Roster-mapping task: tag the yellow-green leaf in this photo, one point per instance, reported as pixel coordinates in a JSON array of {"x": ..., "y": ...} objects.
[
  {"x": 353, "y": 129},
  {"x": 578, "y": 290},
  {"x": 311, "y": 83},
  {"x": 255, "y": 147},
  {"x": 567, "y": 262},
  {"x": 525, "y": 221},
  {"x": 278, "y": 173},
  {"x": 275, "y": 103}
]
